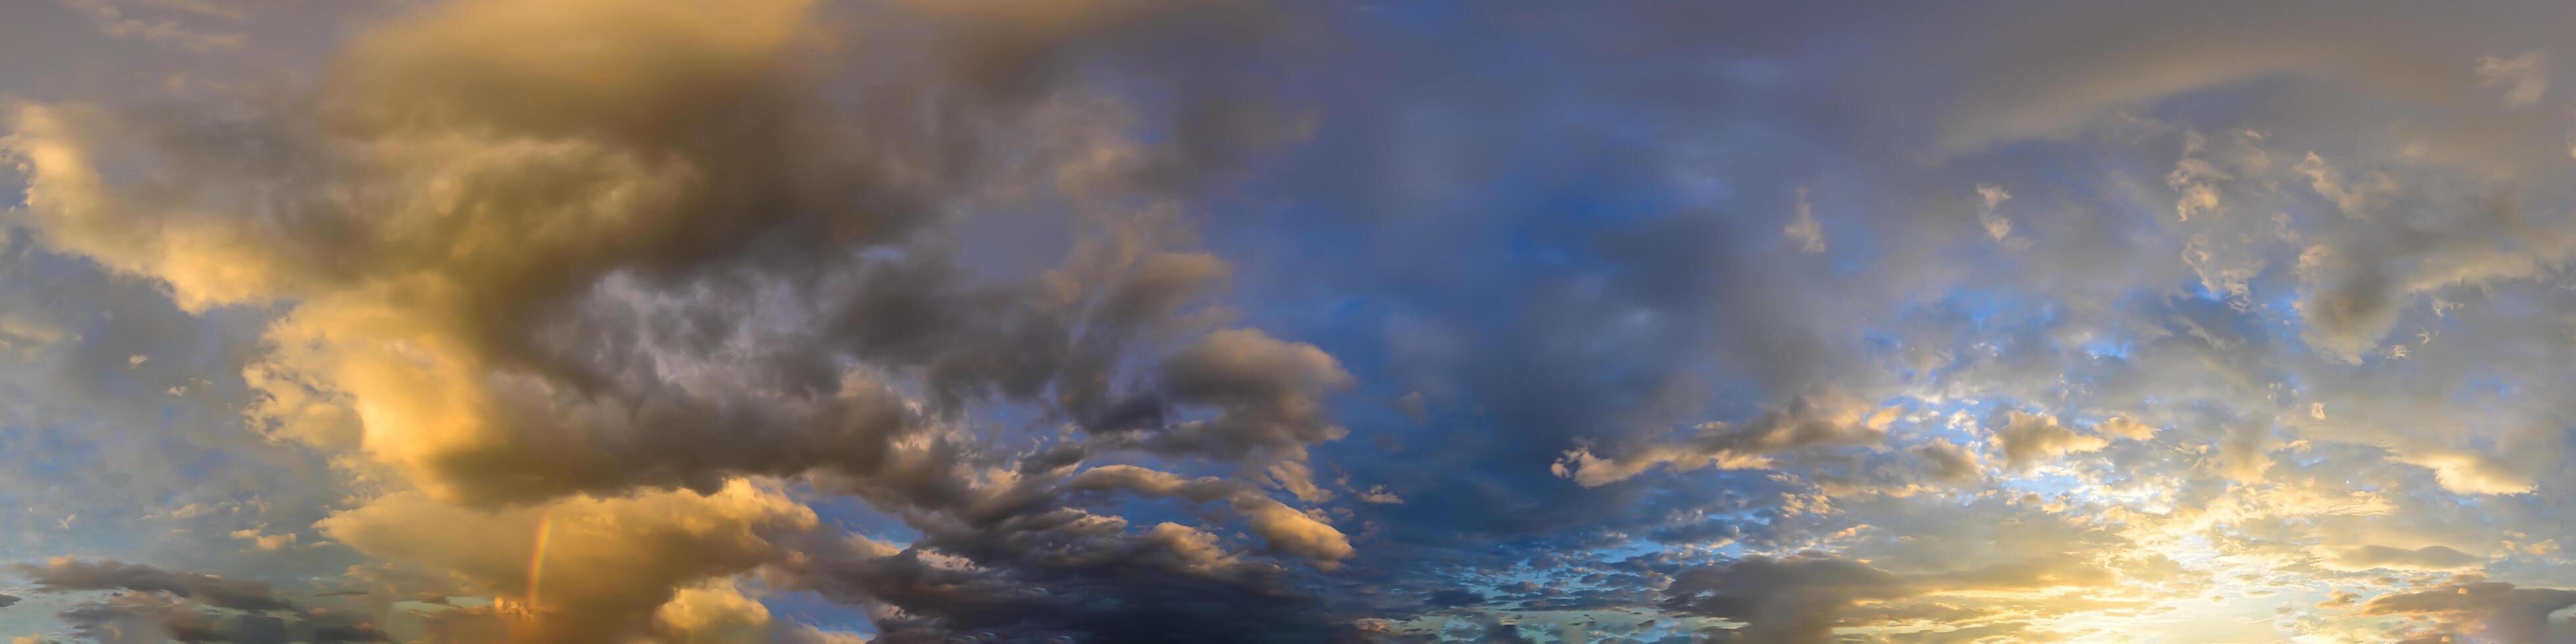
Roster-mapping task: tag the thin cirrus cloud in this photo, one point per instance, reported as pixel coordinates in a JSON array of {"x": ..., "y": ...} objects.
[{"x": 1132, "y": 321}]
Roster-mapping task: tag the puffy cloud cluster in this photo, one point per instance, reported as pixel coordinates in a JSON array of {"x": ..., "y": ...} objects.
[
  {"x": 1827, "y": 419},
  {"x": 1265, "y": 391},
  {"x": 1283, "y": 527},
  {"x": 583, "y": 568},
  {"x": 719, "y": 613},
  {"x": 2027, "y": 439}
]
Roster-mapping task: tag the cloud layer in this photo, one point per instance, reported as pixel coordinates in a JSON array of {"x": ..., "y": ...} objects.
[{"x": 1130, "y": 321}]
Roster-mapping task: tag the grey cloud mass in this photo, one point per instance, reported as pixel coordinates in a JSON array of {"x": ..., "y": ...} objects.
[{"x": 65, "y": 574}]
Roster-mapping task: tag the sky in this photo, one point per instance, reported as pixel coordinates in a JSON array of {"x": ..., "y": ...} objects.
[{"x": 1104, "y": 321}]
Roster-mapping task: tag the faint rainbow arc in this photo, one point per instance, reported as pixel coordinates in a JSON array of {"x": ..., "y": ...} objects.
[{"x": 537, "y": 561}]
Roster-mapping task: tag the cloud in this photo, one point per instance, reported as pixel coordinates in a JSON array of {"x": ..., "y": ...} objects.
[
  {"x": 1800, "y": 598},
  {"x": 1803, "y": 598},
  {"x": 719, "y": 612},
  {"x": 266, "y": 541},
  {"x": 64, "y": 574},
  {"x": 1991, "y": 197},
  {"x": 195, "y": 26},
  {"x": 2523, "y": 79},
  {"x": 1824, "y": 419},
  {"x": 2489, "y": 610},
  {"x": 1035, "y": 320},
  {"x": 142, "y": 619},
  {"x": 164, "y": 605},
  {"x": 583, "y": 566},
  {"x": 2028, "y": 439},
  {"x": 339, "y": 626},
  {"x": 1378, "y": 494},
  {"x": 1283, "y": 528},
  {"x": 517, "y": 286},
  {"x": 152, "y": 619},
  {"x": 2471, "y": 473},
  {"x": 338, "y": 387},
  {"x": 1268, "y": 393},
  {"x": 490, "y": 354},
  {"x": 1092, "y": 578},
  {"x": 2125, "y": 428},
  {"x": 1947, "y": 461},
  {"x": 2369, "y": 557},
  {"x": 1804, "y": 229}
]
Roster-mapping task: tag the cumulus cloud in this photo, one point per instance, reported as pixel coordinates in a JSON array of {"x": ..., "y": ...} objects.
[
  {"x": 583, "y": 567},
  {"x": 340, "y": 389},
  {"x": 1268, "y": 393},
  {"x": 2027, "y": 439},
  {"x": 1947, "y": 461},
  {"x": 719, "y": 613},
  {"x": 1824, "y": 419},
  {"x": 1282, "y": 527},
  {"x": 2125, "y": 428}
]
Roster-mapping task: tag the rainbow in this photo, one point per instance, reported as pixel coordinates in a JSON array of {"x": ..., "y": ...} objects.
[{"x": 537, "y": 562}]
